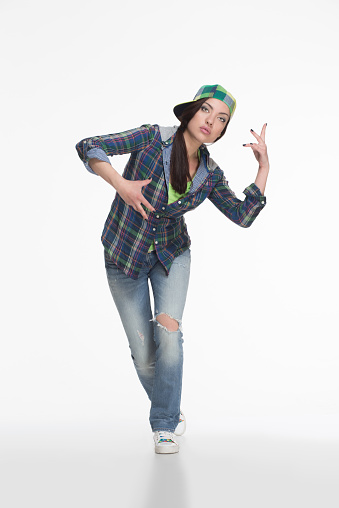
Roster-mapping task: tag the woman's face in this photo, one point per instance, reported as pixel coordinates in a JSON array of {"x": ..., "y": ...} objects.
[{"x": 209, "y": 121}]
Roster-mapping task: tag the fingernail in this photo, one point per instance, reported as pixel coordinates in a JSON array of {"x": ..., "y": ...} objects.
[
  {"x": 251, "y": 143},
  {"x": 251, "y": 130},
  {"x": 244, "y": 144},
  {"x": 266, "y": 124}
]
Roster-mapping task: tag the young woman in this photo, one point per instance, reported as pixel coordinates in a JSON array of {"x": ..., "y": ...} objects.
[{"x": 145, "y": 238}]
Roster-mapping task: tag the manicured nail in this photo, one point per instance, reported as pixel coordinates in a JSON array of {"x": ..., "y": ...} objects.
[
  {"x": 244, "y": 144},
  {"x": 251, "y": 143},
  {"x": 266, "y": 124},
  {"x": 252, "y": 130}
]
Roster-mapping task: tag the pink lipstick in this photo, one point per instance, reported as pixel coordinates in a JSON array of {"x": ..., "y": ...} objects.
[{"x": 205, "y": 130}]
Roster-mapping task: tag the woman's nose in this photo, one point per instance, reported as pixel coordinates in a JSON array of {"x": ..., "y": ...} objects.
[{"x": 209, "y": 120}]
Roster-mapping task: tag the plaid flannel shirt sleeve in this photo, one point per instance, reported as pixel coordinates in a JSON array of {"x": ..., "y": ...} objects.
[
  {"x": 240, "y": 212},
  {"x": 100, "y": 147}
]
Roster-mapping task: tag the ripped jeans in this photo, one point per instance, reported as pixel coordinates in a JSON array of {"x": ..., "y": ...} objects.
[{"x": 157, "y": 353}]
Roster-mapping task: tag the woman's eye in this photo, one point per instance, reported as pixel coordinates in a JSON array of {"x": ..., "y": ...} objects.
[
  {"x": 204, "y": 108},
  {"x": 222, "y": 119}
]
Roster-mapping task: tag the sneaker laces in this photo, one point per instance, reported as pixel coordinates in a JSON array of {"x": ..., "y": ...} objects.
[{"x": 164, "y": 436}]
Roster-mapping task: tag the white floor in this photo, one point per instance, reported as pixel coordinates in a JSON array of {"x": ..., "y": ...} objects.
[{"x": 251, "y": 463}]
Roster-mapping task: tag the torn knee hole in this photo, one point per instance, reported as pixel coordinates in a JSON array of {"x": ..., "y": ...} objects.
[{"x": 167, "y": 322}]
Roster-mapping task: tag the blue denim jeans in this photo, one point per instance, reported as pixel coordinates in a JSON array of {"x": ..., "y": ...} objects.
[{"x": 157, "y": 353}]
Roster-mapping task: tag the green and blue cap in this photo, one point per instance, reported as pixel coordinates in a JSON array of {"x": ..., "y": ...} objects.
[{"x": 215, "y": 91}]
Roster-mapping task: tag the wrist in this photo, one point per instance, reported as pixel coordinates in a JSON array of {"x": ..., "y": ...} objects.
[{"x": 116, "y": 181}]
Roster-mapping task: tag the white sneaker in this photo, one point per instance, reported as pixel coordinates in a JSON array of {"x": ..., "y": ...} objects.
[
  {"x": 165, "y": 442},
  {"x": 181, "y": 427}
]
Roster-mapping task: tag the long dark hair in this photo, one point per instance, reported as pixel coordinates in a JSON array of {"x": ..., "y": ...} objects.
[{"x": 179, "y": 157}]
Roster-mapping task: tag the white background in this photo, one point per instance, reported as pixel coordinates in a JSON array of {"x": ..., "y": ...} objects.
[{"x": 261, "y": 340}]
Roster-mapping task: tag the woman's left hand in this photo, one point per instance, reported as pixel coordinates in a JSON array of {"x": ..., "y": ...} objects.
[{"x": 260, "y": 148}]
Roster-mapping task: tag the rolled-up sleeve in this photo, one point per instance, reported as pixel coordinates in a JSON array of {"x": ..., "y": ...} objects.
[
  {"x": 240, "y": 212},
  {"x": 100, "y": 147},
  {"x": 96, "y": 153}
]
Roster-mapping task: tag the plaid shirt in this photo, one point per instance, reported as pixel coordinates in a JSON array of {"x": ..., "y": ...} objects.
[{"x": 126, "y": 235}]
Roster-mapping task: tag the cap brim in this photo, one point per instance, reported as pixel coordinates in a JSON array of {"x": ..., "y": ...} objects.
[{"x": 179, "y": 108}]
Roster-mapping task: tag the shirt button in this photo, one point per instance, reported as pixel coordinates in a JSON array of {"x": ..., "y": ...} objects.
[
  {"x": 157, "y": 216},
  {"x": 154, "y": 229},
  {"x": 179, "y": 202},
  {"x": 156, "y": 242},
  {"x": 163, "y": 208}
]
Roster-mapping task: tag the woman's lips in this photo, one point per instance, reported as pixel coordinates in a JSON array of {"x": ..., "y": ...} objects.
[{"x": 205, "y": 130}]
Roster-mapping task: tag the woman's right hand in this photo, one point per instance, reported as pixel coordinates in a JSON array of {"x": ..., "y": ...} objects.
[{"x": 130, "y": 192}]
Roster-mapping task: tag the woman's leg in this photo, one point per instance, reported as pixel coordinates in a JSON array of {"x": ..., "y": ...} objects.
[
  {"x": 169, "y": 300},
  {"x": 133, "y": 303}
]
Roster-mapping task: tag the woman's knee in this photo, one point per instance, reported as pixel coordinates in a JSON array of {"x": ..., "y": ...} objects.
[{"x": 168, "y": 322}]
